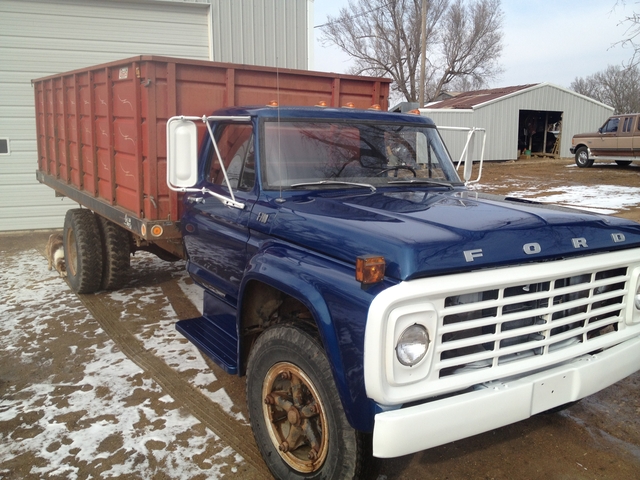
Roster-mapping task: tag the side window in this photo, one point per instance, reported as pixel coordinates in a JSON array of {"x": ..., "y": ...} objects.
[
  {"x": 611, "y": 126},
  {"x": 235, "y": 143}
]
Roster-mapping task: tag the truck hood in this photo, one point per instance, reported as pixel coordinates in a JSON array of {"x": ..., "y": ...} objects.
[
  {"x": 587, "y": 135},
  {"x": 422, "y": 233}
]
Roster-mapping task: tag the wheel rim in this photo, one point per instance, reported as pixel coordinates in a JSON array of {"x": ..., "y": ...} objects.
[
  {"x": 72, "y": 253},
  {"x": 295, "y": 417},
  {"x": 582, "y": 158}
]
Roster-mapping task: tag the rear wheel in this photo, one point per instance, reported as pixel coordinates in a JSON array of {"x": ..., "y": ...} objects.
[
  {"x": 82, "y": 250},
  {"x": 295, "y": 410},
  {"x": 623, "y": 163},
  {"x": 582, "y": 158},
  {"x": 116, "y": 254}
]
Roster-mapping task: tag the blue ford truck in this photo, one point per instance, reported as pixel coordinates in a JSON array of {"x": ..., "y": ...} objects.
[{"x": 376, "y": 304}]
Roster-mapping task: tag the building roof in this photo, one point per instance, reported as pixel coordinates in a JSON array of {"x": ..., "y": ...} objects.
[{"x": 468, "y": 100}]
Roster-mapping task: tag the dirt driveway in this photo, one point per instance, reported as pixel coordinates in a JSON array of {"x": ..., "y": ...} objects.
[{"x": 101, "y": 386}]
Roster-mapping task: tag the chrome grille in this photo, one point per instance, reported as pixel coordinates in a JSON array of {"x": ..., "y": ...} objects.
[{"x": 489, "y": 328}]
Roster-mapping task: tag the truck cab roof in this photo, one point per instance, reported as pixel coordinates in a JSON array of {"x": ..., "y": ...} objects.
[{"x": 328, "y": 113}]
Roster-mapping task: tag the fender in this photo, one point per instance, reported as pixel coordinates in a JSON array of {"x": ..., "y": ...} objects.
[{"x": 339, "y": 306}]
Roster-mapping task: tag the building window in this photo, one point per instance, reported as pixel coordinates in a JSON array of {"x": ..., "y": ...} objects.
[{"x": 4, "y": 146}]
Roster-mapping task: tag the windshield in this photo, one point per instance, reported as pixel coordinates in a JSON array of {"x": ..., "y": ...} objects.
[{"x": 299, "y": 153}]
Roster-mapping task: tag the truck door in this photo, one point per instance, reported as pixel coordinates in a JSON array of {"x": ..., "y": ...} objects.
[
  {"x": 216, "y": 235},
  {"x": 626, "y": 130},
  {"x": 607, "y": 141},
  {"x": 635, "y": 142}
]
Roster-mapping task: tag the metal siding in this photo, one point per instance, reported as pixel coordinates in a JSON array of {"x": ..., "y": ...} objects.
[
  {"x": 500, "y": 118},
  {"x": 39, "y": 38},
  {"x": 261, "y": 32}
]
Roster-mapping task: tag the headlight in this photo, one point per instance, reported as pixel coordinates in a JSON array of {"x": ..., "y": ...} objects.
[{"x": 412, "y": 345}]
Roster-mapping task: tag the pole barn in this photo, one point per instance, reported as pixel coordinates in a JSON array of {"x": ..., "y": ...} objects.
[{"x": 536, "y": 120}]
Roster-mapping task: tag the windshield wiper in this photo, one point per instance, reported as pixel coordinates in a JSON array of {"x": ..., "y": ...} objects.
[
  {"x": 424, "y": 181},
  {"x": 333, "y": 182}
]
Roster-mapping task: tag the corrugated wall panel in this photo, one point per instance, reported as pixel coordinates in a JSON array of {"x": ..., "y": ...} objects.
[
  {"x": 39, "y": 38},
  {"x": 262, "y": 32}
]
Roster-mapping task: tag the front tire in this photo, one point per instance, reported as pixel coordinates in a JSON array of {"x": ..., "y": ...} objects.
[
  {"x": 82, "y": 250},
  {"x": 582, "y": 158},
  {"x": 295, "y": 410}
]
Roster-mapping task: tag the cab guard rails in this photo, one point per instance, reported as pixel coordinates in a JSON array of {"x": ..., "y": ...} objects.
[{"x": 466, "y": 157}]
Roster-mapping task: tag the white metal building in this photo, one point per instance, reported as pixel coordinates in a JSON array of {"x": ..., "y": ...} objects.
[
  {"x": 539, "y": 118},
  {"x": 44, "y": 37}
]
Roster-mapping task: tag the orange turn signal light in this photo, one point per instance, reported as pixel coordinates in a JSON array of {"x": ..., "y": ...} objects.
[{"x": 370, "y": 269}]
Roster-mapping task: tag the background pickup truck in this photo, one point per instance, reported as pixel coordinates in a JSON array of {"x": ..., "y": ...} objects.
[{"x": 618, "y": 139}]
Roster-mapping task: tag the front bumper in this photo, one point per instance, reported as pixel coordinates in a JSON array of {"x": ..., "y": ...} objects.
[{"x": 409, "y": 430}]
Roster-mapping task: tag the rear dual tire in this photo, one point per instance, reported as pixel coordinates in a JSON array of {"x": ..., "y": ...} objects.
[
  {"x": 96, "y": 252},
  {"x": 116, "y": 254},
  {"x": 82, "y": 250}
]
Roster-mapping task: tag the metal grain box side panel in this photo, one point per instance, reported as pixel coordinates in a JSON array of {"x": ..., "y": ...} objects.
[{"x": 101, "y": 130}]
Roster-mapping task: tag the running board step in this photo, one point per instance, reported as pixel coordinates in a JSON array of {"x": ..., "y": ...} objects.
[{"x": 209, "y": 336}]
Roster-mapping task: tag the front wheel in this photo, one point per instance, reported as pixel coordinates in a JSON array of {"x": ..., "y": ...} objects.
[
  {"x": 582, "y": 158},
  {"x": 295, "y": 410}
]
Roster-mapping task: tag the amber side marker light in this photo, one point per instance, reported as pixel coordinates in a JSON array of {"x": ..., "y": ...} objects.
[
  {"x": 272, "y": 103},
  {"x": 349, "y": 105},
  {"x": 375, "y": 106},
  {"x": 321, "y": 103},
  {"x": 370, "y": 269},
  {"x": 156, "y": 230},
  {"x": 415, "y": 111}
]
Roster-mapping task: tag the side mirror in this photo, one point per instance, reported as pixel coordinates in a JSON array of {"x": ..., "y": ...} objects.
[{"x": 182, "y": 153}]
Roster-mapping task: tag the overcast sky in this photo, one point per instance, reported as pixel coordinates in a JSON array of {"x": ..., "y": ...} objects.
[{"x": 544, "y": 40}]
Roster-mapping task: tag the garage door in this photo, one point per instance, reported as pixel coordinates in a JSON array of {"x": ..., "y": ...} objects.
[{"x": 40, "y": 38}]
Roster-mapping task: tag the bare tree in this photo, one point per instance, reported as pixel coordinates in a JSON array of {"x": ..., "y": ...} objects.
[
  {"x": 463, "y": 40},
  {"x": 616, "y": 86},
  {"x": 632, "y": 34}
]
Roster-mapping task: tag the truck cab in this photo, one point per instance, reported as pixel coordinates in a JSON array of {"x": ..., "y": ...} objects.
[{"x": 374, "y": 301}]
